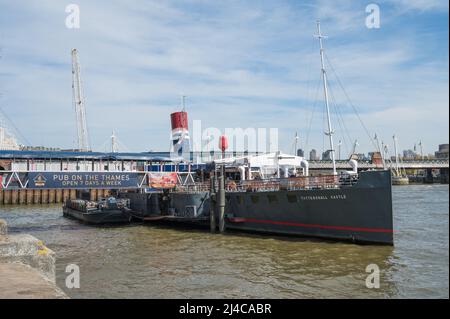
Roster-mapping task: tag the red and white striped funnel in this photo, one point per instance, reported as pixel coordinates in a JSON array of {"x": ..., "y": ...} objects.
[{"x": 180, "y": 132}]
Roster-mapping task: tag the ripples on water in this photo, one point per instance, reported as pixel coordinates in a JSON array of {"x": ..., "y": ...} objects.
[{"x": 144, "y": 261}]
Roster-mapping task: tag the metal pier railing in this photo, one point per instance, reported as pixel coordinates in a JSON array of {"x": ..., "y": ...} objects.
[{"x": 268, "y": 185}]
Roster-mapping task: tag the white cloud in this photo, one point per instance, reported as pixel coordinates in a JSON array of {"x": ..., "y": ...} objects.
[{"x": 241, "y": 64}]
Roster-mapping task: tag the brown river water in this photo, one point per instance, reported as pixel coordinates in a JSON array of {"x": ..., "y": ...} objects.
[{"x": 147, "y": 261}]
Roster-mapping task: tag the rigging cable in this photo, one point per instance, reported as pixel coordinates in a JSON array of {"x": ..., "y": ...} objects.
[
  {"x": 350, "y": 102},
  {"x": 345, "y": 132},
  {"x": 312, "y": 115},
  {"x": 15, "y": 129}
]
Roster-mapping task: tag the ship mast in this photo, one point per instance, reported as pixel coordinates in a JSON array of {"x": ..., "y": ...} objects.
[{"x": 325, "y": 91}]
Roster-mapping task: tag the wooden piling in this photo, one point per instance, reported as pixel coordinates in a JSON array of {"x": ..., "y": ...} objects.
[
  {"x": 92, "y": 195},
  {"x": 29, "y": 196},
  {"x": 36, "y": 196},
  {"x": 44, "y": 196},
  {"x": 7, "y": 197},
  {"x": 22, "y": 196},
  {"x": 65, "y": 194},
  {"x": 51, "y": 196},
  {"x": 14, "y": 196},
  {"x": 47, "y": 196},
  {"x": 59, "y": 196}
]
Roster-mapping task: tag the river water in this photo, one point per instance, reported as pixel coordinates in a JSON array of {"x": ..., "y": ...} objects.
[{"x": 145, "y": 261}]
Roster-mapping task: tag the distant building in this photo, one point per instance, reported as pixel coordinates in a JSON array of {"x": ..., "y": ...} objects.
[
  {"x": 442, "y": 152},
  {"x": 409, "y": 154},
  {"x": 313, "y": 155},
  {"x": 361, "y": 156},
  {"x": 300, "y": 153},
  {"x": 42, "y": 148},
  {"x": 7, "y": 141},
  {"x": 375, "y": 158},
  {"x": 326, "y": 156}
]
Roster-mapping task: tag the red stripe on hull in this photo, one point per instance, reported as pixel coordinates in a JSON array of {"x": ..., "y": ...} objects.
[{"x": 273, "y": 222}]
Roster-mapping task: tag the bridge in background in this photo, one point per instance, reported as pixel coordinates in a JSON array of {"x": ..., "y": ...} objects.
[
  {"x": 123, "y": 178},
  {"x": 364, "y": 165}
]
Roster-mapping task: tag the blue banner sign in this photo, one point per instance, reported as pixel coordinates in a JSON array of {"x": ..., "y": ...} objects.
[{"x": 79, "y": 180}]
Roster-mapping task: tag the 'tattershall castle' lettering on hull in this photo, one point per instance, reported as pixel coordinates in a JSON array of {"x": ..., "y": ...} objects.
[{"x": 323, "y": 197}]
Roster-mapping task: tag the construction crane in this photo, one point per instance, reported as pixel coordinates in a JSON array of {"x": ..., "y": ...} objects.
[{"x": 78, "y": 100}]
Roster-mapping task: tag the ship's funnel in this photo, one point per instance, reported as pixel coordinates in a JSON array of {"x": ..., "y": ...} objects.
[
  {"x": 180, "y": 134},
  {"x": 354, "y": 164}
]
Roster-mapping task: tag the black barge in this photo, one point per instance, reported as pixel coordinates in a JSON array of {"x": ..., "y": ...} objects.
[{"x": 105, "y": 211}]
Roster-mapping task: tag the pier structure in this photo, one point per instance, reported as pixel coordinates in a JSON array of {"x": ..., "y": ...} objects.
[
  {"x": 43, "y": 177},
  {"x": 421, "y": 171}
]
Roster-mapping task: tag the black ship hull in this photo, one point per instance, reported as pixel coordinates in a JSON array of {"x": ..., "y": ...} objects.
[{"x": 359, "y": 213}]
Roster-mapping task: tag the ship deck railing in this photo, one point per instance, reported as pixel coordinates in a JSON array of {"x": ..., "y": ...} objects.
[{"x": 270, "y": 185}]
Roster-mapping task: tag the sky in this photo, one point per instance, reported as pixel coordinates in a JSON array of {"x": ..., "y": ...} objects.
[{"x": 241, "y": 64}]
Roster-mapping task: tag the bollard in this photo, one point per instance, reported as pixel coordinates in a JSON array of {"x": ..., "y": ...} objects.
[
  {"x": 222, "y": 203},
  {"x": 212, "y": 201}
]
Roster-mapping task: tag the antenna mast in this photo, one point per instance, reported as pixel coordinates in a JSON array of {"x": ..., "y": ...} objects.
[
  {"x": 325, "y": 90},
  {"x": 355, "y": 144},
  {"x": 339, "y": 149},
  {"x": 421, "y": 150},
  {"x": 78, "y": 100},
  {"x": 114, "y": 144},
  {"x": 396, "y": 155},
  {"x": 183, "y": 102}
]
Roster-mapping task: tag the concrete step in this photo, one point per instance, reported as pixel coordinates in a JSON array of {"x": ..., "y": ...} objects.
[
  {"x": 19, "y": 281},
  {"x": 27, "y": 267}
]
